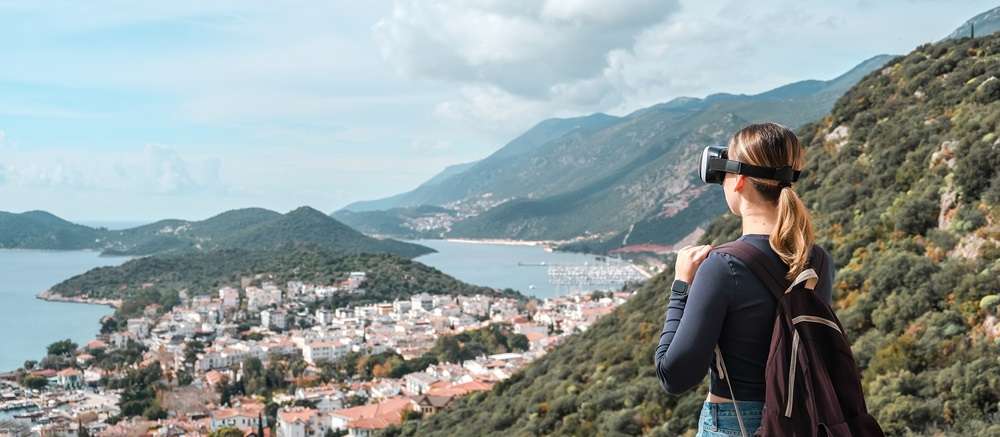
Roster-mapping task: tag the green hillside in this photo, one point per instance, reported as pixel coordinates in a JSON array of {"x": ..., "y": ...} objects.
[
  {"x": 41, "y": 230},
  {"x": 389, "y": 276},
  {"x": 249, "y": 228},
  {"x": 903, "y": 180},
  {"x": 309, "y": 226},
  {"x": 401, "y": 222}
]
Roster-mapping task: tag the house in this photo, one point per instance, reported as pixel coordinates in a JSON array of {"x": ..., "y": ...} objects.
[
  {"x": 274, "y": 319},
  {"x": 301, "y": 422},
  {"x": 429, "y": 404},
  {"x": 138, "y": 327},
  {"x": 419, "y": 382},
  {"x": 69, "y": 378},
  {"x": 324, "y": 316},
  {"x": 230, "y": 297},
  {"x": 120, "y": 340},
  {"x": 325, "y": 350},
  {"x": 422, "y": 301},
  {"x": 95, "y": 345},
  {"x": 246, "y": 416},
  {"x": 355, "y": 279},
  {"x": 366, "y": 420},
  {"x": 214, "y": 377},
  {"x": 84, "y": 358},
  {"x": 92, "y": 375}
]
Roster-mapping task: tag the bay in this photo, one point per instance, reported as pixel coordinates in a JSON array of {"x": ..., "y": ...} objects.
[
  {"x": 27, "y": 324},
  {"x": 516, "y": 266}
]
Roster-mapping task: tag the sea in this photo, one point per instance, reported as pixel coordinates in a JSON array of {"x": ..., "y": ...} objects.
[{"x": 28, "y": 325}]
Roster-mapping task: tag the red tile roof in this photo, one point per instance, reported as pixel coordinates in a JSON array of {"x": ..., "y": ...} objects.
[
  {"x": 376, "y": 416},
  {"x": 297, "y": 415}
]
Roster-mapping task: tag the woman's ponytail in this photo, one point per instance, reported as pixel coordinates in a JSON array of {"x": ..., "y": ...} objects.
[
  {"x": 792, "y": 238},
  {"x": 773, "y": 145}
]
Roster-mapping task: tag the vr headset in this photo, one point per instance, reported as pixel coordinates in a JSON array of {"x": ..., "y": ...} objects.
[{"x": 714, "y": 166}]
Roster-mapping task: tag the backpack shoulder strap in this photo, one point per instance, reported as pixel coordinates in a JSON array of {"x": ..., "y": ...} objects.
[
  {"x": 765, "y": 268},
  {"x": 762, "y": 266}
]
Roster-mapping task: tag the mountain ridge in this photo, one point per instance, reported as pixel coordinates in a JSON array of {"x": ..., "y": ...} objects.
[{"x": 247, "y": 228}]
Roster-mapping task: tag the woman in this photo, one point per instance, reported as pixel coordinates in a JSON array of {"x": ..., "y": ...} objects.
[{"x": 726, "y": 305}]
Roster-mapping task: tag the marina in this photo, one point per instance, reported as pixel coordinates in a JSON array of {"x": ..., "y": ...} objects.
[{"x": 529, "y": 269}]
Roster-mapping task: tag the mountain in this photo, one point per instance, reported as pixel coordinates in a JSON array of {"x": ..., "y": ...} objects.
[
  {"x": 306, "y": 225},
  {"x": 434, "y": 192},
  {"x": 425, "y": 221},
  {"x": 607, "y": 175},
  {"x": 250, "y": 228},
  {"x": 175, "y": 234},
  {"x": 984, "y": 24},
  {"x": 903, "y": 183},
  {"x": 402, "y": 198},
  {"x": 41, "y": 230}
]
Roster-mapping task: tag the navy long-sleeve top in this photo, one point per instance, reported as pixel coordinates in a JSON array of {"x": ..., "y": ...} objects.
[{"x": 726, "y": 305}]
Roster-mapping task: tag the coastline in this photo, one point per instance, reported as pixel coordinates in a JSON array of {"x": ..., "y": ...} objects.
[
  {"x": 48, "y": 296},
  {"x": 499, "y": 241}
]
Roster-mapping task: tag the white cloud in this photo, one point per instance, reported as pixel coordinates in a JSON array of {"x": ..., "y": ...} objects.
[
  {"x": 522, "y": 47},
  {"x": 515, "y": 62},
  {"x": 154, "y": 170},
  {"x": 165, "y": 172}
]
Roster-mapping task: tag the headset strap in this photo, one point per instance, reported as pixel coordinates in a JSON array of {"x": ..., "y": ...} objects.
[{"x": 783, "y": 174}]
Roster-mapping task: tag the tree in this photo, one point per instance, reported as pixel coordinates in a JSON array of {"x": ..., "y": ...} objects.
[
  {"x": 62, "y": 347},
  {"x": 226, "y": 431},
  {"x": 109, "y": 324},
  {"x": 29, "y": 364},
  {"x": 154, "y": 411},
  {"x": 36, "y": 382}
]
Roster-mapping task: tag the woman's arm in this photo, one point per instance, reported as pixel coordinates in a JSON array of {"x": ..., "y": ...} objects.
[{"x": 693, "y": 325}]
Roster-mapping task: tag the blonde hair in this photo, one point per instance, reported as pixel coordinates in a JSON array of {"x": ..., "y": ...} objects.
[{"x": 773, "y": 145}]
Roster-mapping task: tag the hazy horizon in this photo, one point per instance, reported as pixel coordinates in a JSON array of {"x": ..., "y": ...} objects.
[{"x": 120, "y": 112}]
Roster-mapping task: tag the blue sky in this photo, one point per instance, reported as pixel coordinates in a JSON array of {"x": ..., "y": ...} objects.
[{"x": 123, "y": 110}]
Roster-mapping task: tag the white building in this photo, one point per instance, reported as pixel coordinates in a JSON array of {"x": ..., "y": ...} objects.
[
  {"x": 244, "y": 416},
  {"x": 274, "y": 319},
  {"x": 422, "y": 301},
  {"x": 401, "y": 306},
  {"x": 139, "y": 327},
  {"x": 230, "y": 297},
  {"x": 419, "y": 382},
  {"x": 325, "y": 350},
  {"x": 301, "y": 422},
  {"x": 355, "y": 279},
  {"x": 324, "y": 316}
]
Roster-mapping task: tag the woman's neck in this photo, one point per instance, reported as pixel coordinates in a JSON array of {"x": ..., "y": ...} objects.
[{"x": 759, "y": 222}]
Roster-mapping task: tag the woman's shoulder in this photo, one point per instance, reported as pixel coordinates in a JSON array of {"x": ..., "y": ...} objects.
[
  {"x": 716, "y": 263},
  {"x": 825, "y": 257}
]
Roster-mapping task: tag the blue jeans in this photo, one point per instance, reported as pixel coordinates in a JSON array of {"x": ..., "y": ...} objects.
[{"x": 720, "y": 419}]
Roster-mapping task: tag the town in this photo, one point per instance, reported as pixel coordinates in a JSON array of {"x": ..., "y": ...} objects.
[{"x": 267, "y": 358}]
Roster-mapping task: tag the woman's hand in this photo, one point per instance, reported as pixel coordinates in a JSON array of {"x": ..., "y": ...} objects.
[{"x": 688, "y": 260}]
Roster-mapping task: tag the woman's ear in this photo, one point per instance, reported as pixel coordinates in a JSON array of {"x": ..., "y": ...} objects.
[{"x": 741, "y": 181}]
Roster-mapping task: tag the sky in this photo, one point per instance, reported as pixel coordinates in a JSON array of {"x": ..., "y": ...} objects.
[{"x": 135, "y": 111}]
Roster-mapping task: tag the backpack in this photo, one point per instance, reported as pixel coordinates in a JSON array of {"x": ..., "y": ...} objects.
[{"x": 812, "y": 383}]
